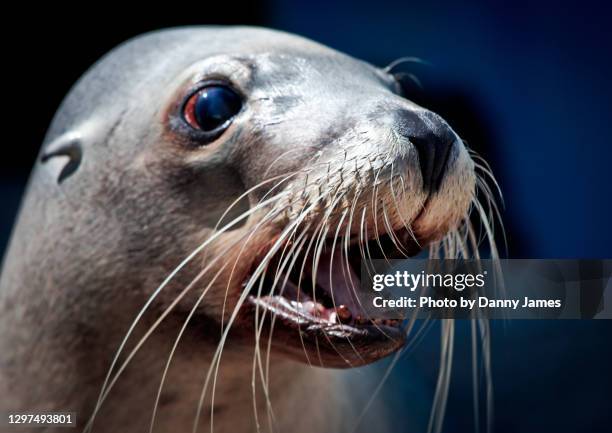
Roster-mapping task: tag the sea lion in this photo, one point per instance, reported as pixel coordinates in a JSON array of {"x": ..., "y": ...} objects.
[{"x": 198, "y": 188}]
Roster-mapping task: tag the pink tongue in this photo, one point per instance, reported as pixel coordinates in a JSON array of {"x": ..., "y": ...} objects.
[{"x": 339, "y": 280}]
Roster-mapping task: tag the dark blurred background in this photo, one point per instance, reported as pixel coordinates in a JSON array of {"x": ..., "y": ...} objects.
[{"x": 527, "y": 85}]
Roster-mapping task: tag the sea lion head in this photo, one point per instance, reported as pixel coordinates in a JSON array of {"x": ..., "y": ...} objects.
[{"x": 244, "y": 172}]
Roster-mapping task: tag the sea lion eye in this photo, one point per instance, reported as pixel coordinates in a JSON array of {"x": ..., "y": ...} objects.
[{"x": 212, "y": 107}]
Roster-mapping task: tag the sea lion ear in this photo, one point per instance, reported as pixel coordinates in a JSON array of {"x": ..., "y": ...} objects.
[{"x": 68, "y": 146}]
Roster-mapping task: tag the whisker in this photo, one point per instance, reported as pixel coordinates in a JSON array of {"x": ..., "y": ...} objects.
[
  {"x": 217, "y": 355},
  {"x": 199, "y": 300},
  {"x": 156, "y": 292}
]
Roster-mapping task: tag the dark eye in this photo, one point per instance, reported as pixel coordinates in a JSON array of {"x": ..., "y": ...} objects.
[{"x": 211, "y": 107}]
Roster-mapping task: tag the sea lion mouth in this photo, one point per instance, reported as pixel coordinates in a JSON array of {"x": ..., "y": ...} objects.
[{"x": 311, "y": 300}]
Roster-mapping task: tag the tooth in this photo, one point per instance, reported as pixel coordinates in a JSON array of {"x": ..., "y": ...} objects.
[{"x": 344, "y": 314}]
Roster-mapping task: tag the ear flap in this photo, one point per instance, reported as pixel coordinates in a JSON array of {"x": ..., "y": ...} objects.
[{"x": 66, "y": 145}]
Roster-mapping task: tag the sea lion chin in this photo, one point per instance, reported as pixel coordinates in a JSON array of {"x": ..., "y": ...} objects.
[{"x": 242, "y": 172}]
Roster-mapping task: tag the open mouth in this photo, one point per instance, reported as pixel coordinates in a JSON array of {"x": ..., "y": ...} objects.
[{"x": 311, "y": 297}]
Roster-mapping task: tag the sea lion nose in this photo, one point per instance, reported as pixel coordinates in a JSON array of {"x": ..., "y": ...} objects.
[{"x": 432, "y": 138}]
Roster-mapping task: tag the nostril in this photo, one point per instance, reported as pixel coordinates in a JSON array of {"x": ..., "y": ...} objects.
[
  {"x": 427, "y": 154},
  {"x": 433, "y": 140}
]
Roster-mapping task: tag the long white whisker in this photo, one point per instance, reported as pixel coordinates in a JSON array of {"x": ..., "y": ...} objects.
[
  {"x": 217, "y": 355},
  {"x": 103, "y": 391}
]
